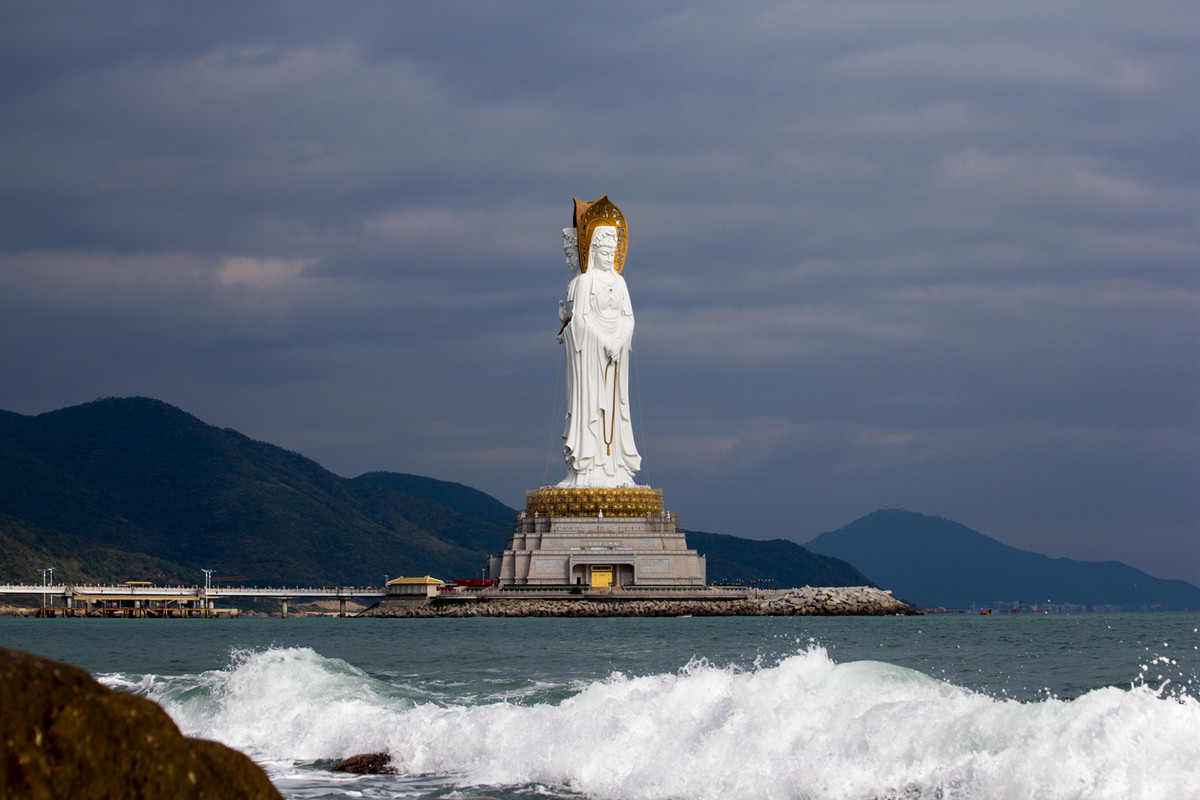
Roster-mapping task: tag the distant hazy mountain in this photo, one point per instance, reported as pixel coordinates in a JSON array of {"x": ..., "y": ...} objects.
[
  {"x": 931, "y": 562},
  {"x": 133, "y": 488}
]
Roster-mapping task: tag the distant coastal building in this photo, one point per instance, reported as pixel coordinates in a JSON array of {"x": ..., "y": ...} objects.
[
  {"x": 414, "y": 587},
  {"x": 597, "y": 538}
]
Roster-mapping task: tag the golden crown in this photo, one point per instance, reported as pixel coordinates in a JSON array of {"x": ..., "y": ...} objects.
[{"x": 588, "y": 217}]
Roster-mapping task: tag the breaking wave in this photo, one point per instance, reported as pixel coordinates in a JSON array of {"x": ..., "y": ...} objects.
[{"x": 804, "y": 727}]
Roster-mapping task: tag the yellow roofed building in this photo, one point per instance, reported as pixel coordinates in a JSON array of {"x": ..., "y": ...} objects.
[{"x": 414, "y": 587}]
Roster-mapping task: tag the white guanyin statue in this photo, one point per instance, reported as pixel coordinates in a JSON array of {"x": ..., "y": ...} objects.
[{"x": 597, "y": 332}]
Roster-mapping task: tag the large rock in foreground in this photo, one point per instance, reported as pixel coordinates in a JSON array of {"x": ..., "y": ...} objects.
[
  {"x": 66, "y": 736},
  {"x": 808, "y": 601}
]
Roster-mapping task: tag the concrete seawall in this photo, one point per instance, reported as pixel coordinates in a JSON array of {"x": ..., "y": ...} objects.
[{"x": 808, "y": 601}]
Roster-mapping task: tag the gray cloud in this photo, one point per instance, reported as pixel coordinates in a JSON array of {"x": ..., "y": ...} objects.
[{"x": 939, "y": 256}]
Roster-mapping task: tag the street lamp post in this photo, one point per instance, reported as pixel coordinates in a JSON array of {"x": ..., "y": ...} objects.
[
  {"x": 47, "y": 579},
  {"x": 208, "y": 573}
]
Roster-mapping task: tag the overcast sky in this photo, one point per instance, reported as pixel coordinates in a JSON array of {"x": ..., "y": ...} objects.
[{"x": 937, "y": 255}]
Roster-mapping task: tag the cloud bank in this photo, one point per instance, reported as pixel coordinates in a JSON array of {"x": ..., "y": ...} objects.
[{"x": 940, "y": 256}]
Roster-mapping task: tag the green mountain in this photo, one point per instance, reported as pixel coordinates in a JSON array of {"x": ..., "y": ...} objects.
[
  {"x": 136, "y": 489},
  {"x": 776, "y": 563},
  {"x": 729, "y": 559},
  {"x": 931, "y": 561},
  {"x": 462, "y": 515}
]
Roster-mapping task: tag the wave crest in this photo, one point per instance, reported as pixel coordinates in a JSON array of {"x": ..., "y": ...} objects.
[{"x": 803, "y": 727}]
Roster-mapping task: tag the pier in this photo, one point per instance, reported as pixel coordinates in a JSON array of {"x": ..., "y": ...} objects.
[{"x": 140, "y": 599}]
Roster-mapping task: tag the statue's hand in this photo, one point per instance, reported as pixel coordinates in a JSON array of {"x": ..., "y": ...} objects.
[
  {"x": 563, "y": 312},
  {"x": 612, "y": 353}
]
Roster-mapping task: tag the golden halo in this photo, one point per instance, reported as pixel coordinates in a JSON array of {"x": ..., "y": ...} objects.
[{"x": 588, "y": 217}]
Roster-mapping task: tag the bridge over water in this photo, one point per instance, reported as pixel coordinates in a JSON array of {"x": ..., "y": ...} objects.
[{"x": 184, "y": 600}]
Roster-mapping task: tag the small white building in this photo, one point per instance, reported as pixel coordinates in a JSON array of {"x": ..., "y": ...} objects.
[{"x": 414, "y": 587}]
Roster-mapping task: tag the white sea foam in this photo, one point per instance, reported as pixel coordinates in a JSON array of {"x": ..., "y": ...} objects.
[{"x": 803, "y": 728}]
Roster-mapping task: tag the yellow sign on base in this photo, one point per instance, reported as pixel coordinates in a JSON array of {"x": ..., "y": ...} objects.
[{"x": 602, "y": 576}]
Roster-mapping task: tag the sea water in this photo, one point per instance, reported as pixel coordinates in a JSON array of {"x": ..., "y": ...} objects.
[{"x": 1006, "y": 706}]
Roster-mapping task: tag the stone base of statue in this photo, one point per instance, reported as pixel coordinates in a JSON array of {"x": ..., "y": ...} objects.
[{"x": 597, "y": 539}]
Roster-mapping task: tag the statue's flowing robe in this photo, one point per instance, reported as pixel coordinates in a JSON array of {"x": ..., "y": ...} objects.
[{"x": 601, "y": 314}]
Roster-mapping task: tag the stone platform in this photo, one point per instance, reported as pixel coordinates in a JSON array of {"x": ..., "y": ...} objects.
[
  {"x": 806, "y": 601},
  {"x": 596, "y": 538}
]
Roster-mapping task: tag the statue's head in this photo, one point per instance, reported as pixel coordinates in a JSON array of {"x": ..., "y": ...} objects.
[
  {"x": 571, "y": 248},
  {"x": 591, "y": 217},
  {"x": 603, "y": 248}
]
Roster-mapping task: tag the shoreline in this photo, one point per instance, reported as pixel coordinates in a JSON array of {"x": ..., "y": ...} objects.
[{"x": 809, "y": 601}]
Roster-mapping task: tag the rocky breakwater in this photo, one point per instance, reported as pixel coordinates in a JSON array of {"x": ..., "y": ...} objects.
[
  {"x": 66, "y": 736},
  {"x": 807, "y": 601}
]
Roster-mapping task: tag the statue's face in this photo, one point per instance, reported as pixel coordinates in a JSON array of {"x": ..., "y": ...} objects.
[
  {"x": 604, "y": 248},
  {"x": 571, "y": 249}
]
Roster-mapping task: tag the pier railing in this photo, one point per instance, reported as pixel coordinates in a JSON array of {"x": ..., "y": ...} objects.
[
  {"x": 108, "y": 590},
  {"x": 183, "y": 598}
]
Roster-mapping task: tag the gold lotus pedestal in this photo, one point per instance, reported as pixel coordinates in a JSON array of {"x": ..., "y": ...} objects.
[
  {"x": 635, "y": 501},
  {"x": 597, "y": 538}
]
